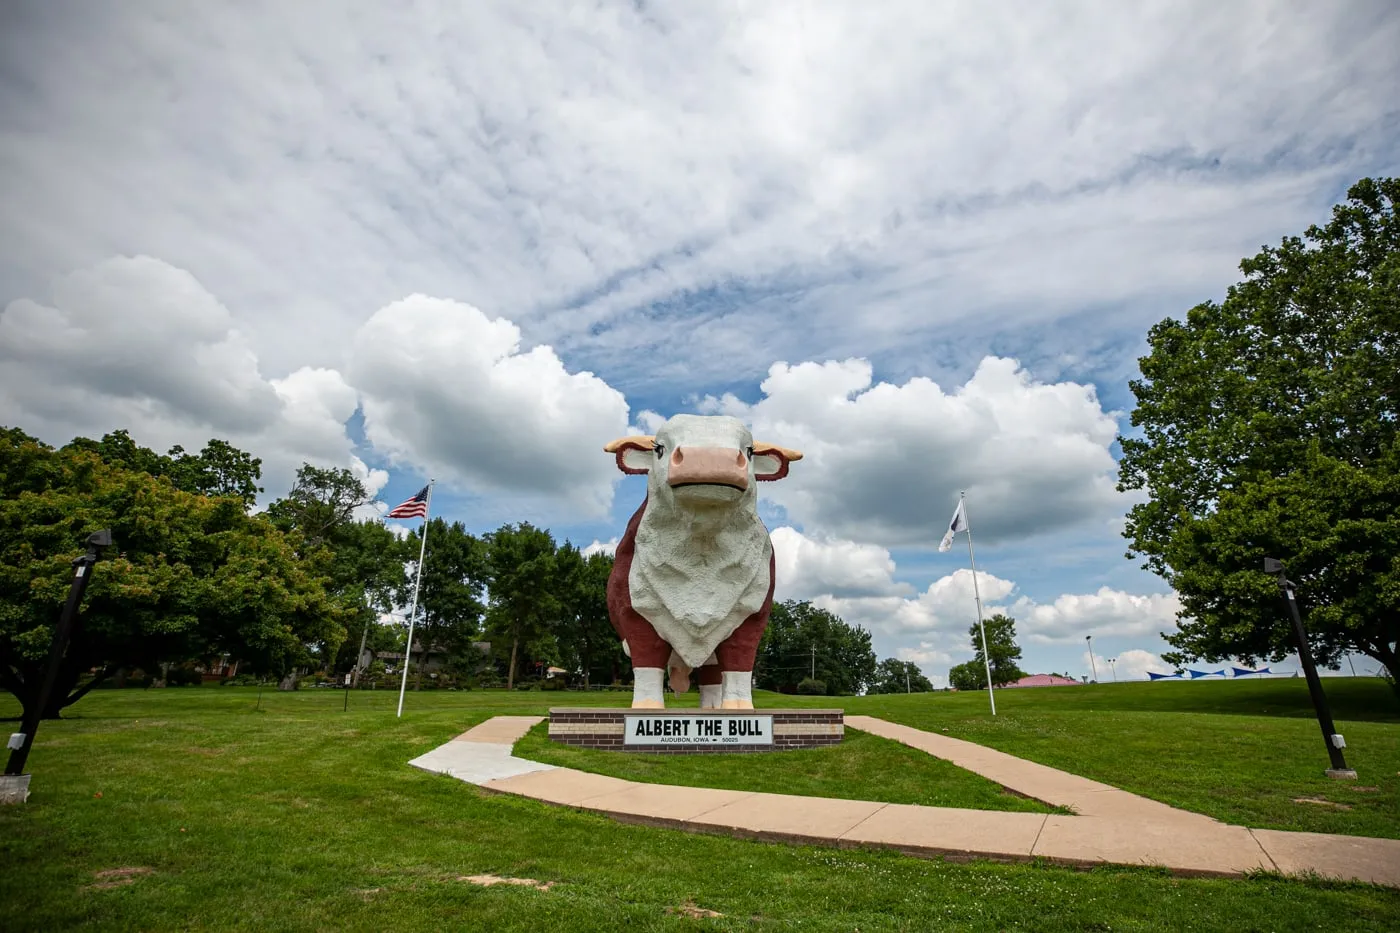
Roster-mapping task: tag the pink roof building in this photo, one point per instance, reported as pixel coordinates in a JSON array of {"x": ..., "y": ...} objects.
[{"x": 1044, "y": 680}]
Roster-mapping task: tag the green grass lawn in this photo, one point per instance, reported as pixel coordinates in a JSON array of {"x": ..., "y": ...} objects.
[
  {"x": 862, "y": 767},
  {"x": 1241, "y": 752},
  {"x": 301, "y": 817}
]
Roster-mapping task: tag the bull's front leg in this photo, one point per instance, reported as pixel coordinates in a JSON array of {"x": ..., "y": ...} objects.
[
  {"x": 649, "y": 654},
  {"x": 736, "y": 655}
]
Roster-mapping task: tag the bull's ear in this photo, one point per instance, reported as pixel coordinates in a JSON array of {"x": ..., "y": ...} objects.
[
  {"x": 770, "y": 462},
  {"x": 634, "y": 454}
]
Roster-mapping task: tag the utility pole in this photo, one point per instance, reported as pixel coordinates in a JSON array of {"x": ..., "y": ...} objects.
[
  {"x": 1335, "y": 743},
  {"x": 1094, "y": 667},
  {"x": 15, "y": 787},
  {"x": 906, "y": 681},
  {"x": 1114, "y": 669},
  {"x": 814, "y": 660}
]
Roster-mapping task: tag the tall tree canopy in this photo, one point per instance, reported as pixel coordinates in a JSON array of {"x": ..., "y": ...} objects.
[
  {"x": 189, "y": 575},
  {"x": 450, "y": 597},
  {"x": 800, "y": 638},
  {"x": 220, "y": 469},
  {"x": 1001, "y": 649},
  {"x": 321, "y": 501},
  {"x": 586, "y": 636},
  {"x": 362, "y": 559},
  {"x": 896, "y": 676},
  {"x": 1269, "y": 429},
  {"x": 524, "y": 600}
]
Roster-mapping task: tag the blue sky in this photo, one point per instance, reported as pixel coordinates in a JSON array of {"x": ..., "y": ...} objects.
[{"x": 922, "y": 242}]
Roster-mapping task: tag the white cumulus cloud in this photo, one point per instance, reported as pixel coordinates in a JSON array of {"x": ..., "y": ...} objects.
[
  {"x": 1107, "y": 612},
  {"x": 451, "y": 392},
  {"x": 601, "y": 547},
  {"x": 884, "y": 462},
  {"x": 812, "y": 566},
  {"x": 136, "y": 343}
]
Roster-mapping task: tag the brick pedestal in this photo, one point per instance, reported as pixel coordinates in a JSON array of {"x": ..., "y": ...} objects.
[{"x": 697, "y": 732}]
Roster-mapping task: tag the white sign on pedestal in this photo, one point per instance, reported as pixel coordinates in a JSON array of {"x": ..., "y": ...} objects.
[{"x": 727, "y": 729}]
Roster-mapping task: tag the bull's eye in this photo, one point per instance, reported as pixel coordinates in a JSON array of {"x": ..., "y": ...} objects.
[
  {"x": 748, "y": 452},
  {"x": 660, "y": 451}
]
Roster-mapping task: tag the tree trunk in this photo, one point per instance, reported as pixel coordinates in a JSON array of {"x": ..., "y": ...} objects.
[
  {"x": 422, "y": 660},
  {"x": 510, "y": 673},
  {"x": 289, "y": 682},
  {"x": 82, "y": 691},
  {"x": 587, "y": 662},
  {"x": 1390, "y": 660}
]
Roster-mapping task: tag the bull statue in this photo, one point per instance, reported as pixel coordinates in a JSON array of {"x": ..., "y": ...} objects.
[{"x": 692, "y": 585}]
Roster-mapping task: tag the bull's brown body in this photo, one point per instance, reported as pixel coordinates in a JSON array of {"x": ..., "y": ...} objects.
[{"x": 648, "y": 648}]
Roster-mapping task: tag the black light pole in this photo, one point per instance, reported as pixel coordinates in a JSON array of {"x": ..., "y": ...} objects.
[
  {"x": 22, "y": 741},
  {"x": 1335, "y": 743}
]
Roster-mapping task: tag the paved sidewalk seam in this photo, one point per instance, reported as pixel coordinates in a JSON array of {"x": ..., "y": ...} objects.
[
  {"x": 747, "y": 795},
  {"x": 1266, "y": 852},
  {"x": 867, "y": 819},
  {"x": 1038, "y": 834}
]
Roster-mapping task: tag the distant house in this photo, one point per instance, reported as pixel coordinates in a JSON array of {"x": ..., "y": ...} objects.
[{"x": 1044, "y": 680}]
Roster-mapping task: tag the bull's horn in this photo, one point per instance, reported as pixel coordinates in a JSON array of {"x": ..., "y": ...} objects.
[
  {"x": 787, "y": 453},
  {"x": 644, "y": 441}
]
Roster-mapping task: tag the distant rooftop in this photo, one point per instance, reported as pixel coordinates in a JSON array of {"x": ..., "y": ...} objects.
[{"x": 1045, "y": 680}]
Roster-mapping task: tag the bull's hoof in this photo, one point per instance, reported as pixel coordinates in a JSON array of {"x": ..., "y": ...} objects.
[
  {"x": 737, "y": 704},
  {"x": 648, "y": 704}
]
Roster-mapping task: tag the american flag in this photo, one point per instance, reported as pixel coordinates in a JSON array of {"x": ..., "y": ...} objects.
[{"x": 417, "y": 507}]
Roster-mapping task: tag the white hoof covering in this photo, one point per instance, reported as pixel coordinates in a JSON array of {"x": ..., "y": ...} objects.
[
  {"x": 737, "y": 688},
  {"x": 710, "y": 696},
  {"x": 647, "y": 688}
]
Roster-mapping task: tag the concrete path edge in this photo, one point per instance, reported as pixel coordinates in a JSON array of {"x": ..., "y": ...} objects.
[{"x": 1111, "y": 826}]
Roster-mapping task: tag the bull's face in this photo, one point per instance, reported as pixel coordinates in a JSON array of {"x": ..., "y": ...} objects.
[{"x": 702, "y": 461}]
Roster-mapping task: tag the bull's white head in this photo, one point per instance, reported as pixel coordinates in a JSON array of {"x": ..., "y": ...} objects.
[{"x": 701, "y": 461}]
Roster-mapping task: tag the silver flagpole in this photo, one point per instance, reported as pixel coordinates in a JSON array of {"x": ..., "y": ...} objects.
[
  {"x": 417, "y": 581},
  {"x": 976, "y": 591}
]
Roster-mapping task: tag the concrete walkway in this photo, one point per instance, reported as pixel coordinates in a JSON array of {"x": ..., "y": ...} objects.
[{"x": 1110, "y": 826}]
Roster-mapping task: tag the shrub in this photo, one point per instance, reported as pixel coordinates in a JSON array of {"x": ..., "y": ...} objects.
[
  {"x": 183, "y": 676},
  {"x": 811, "y": 687}
]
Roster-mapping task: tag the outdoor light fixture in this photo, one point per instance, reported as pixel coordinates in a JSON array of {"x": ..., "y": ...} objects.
[
  {"x": 1335, "y": 743},
  {"x": 14, "y": 786}
]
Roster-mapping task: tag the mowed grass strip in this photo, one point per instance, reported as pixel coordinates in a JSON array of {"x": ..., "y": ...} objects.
[
  {"x": 1245, "y": 752},
  {"x": 184, "y": 809},
  {"x": 862, "y": 767}
]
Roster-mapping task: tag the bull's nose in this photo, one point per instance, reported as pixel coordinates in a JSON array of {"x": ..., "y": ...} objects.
[{"x": 721, "y": 466}]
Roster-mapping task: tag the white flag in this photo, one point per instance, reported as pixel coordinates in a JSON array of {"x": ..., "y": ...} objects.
[{"x": 959, "y": 523}]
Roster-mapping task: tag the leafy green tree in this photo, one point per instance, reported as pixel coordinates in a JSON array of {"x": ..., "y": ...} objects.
[
  {"x": 1269, "y": 429},
  {"x": 320, "y": 502},
  {"x": 585, "y": 633},
  {"x": 896, "y": 676},
  {"x": 365, "y": 562},
  {"x": 1001, "y": 648},
  {"x": 189, "y": 576},
  {"x": 363, "y": 559},
  {"x": 450, "y": 598},
  {"x": 521, "y": 576},
  {"x": 801, "y": 637},
  {"x": 220, "y": 469}
]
